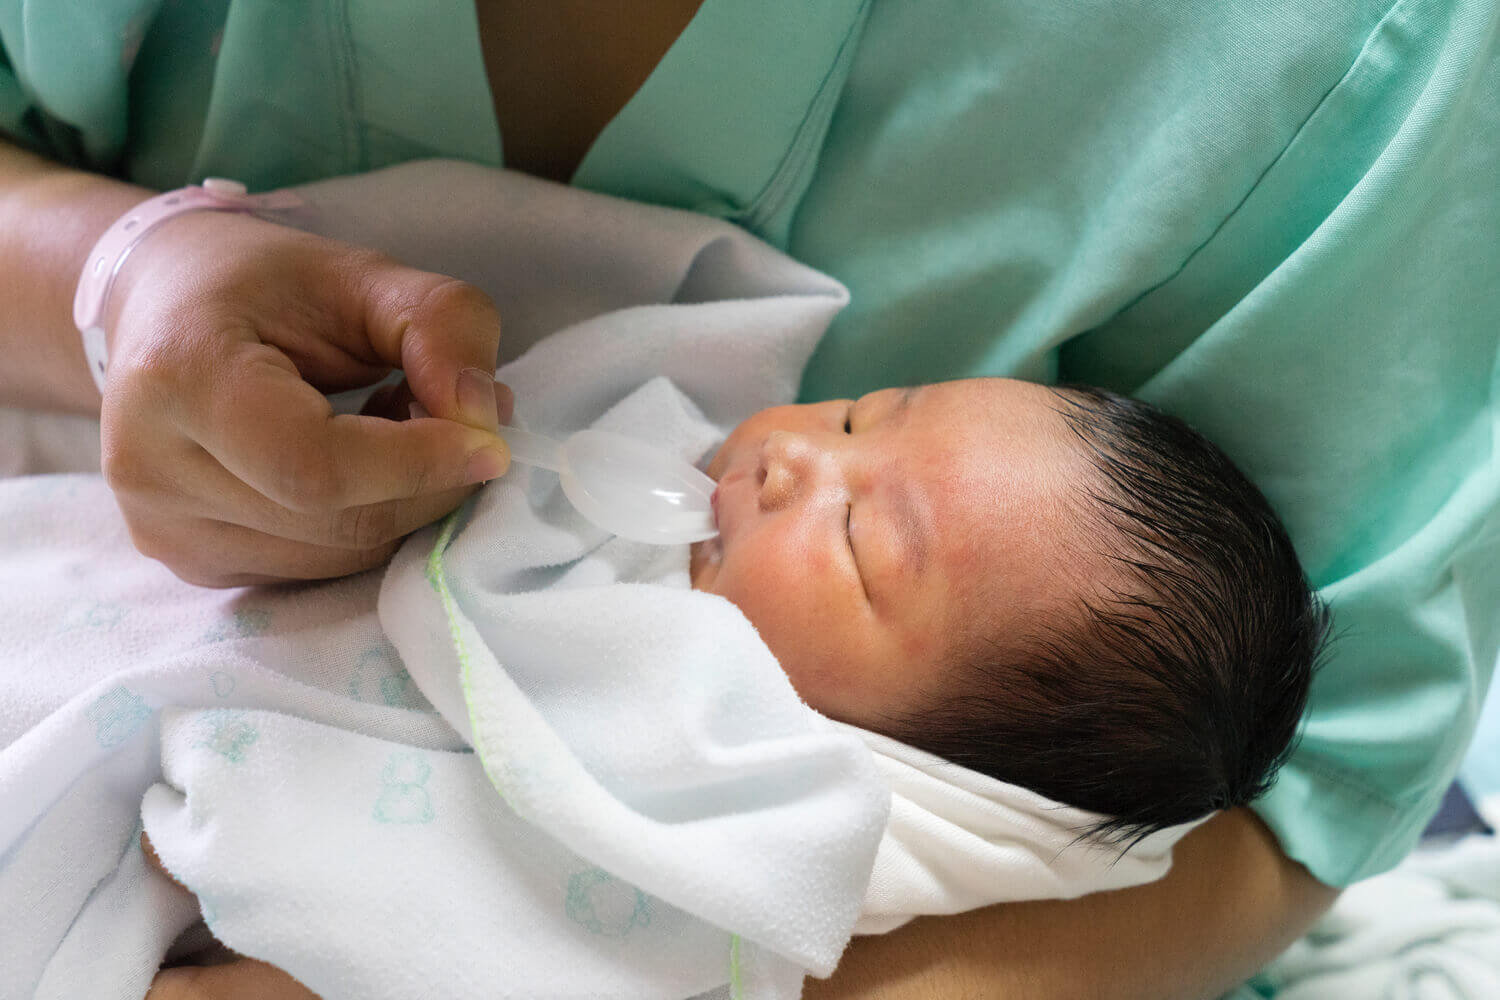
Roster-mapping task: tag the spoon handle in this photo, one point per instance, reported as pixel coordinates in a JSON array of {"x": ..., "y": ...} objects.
[{"x": 532, "y": 449}]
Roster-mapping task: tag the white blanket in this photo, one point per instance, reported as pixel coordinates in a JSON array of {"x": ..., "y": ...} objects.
[{"x": 651, "y": 811}]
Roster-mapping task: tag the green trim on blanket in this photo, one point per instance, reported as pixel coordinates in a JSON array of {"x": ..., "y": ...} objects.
[
  {"x": 736, "y": 985},
  {"x": 436, "y": 575}
]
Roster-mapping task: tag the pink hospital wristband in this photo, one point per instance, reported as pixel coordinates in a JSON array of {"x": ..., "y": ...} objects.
[{"x": 108, "y": 255}]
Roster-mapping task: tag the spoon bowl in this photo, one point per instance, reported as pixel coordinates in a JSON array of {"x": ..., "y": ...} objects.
[{"x": 623, "y": 485}]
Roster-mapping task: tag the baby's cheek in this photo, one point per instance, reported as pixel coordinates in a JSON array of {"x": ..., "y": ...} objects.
[
  {"x": 824, "y": 690},
  {"x": 716, "y": 465},
  {"x": 834, "y": 673},
  {"x": 920, "y": 646}
]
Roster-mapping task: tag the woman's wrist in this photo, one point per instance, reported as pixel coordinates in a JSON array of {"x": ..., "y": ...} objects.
[
  {"x": 112, "y": 252},
  {"x": 50, "y": 217}
]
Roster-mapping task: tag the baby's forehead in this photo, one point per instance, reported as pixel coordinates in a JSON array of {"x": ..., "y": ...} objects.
[
  {"x": 992, "y": 405},
  {"x": 1005, "y": 477},
  {"x": 981, "y": 421}
]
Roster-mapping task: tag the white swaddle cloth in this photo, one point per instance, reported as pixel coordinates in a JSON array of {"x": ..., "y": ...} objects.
[{"x": 650, "y": 811}]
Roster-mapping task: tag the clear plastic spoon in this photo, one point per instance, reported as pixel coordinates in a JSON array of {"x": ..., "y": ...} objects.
[{"x": 626, "y": 487}]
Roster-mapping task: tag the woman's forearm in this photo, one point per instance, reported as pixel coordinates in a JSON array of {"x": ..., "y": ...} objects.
[
  {"x": 50, "y": 216},
  {"x": 1231, "y": 903}
]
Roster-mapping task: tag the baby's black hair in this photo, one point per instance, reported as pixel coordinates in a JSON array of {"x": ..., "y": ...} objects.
[{"x": 1179, "y": 691}]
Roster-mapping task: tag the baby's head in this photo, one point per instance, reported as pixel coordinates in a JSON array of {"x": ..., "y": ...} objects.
[{"x": 1062, "y": 588}]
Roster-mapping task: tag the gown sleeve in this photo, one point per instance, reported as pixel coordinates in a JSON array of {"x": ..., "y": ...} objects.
[{"x": 65, "y": 74}]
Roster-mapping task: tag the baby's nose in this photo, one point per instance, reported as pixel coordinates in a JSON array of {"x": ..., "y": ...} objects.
[{"x": 791, "y": 465}]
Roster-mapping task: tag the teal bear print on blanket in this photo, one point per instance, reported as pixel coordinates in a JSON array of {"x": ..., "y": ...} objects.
[
  {"x": 250, "y": 622},
  {"x": 116, "y": 715},
  {"x": 96, "y": 615},
  {"x": 379, "y": 678},
  {"x": 226, "y": 733},
  {"x": 247, "y": 624},
  {"x": 397, "y": 690},
  {"x": 403, "y": 795},
  {"x": 605, "y": 905}
]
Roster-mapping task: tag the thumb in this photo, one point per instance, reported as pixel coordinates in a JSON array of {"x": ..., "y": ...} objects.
[
  {"x": 397, "y": 402},
  {"x": 442, "y": 332}
]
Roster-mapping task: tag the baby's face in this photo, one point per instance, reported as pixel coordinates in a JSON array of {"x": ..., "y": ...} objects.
[{"x": 872, "y": 542}]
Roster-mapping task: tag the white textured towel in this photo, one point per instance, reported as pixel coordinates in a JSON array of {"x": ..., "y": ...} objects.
[{"x": 651, "y": 812}]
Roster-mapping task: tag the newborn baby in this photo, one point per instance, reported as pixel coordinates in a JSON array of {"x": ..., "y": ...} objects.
[
  {"x": 1062, "y": 588},
  {"x": 1058, "y": 587}
]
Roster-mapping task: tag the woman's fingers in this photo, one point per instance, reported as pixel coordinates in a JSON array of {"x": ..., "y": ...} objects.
[
  {"x": 269, "y": 484},
  {"x": 362, "y": 527},
  {"x": 181, "y": 533},
  {"x": 393, "y": 402},
  {"x": 207, "y": 487},
  {"x": 443, "y": 333},
  {"x": 278, "y": 435},
  {"x": 211, "y": 553}
]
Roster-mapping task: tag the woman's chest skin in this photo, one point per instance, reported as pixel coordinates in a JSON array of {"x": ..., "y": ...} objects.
[{"x": 560, "y": 70}]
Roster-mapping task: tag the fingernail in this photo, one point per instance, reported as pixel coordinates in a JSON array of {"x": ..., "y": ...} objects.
[
  {"x": 505, "y": 402},
  {"x": 484, "y": 465},
  {"x": 417, "y": 410},
  {"x": 476, "y": 399}
]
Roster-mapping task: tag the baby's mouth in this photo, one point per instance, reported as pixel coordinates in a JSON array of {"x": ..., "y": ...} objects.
[{"x": 710, "y": 551}]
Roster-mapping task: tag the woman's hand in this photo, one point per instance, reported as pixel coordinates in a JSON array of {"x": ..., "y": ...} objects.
[
  {"x": 241, "y": 979},
  {"x": 224, "y": 455}
]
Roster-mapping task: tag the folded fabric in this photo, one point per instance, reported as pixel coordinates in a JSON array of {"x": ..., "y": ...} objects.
[
  {"x": 543, "y": 766},
  {"x": 957, "y": 840}
]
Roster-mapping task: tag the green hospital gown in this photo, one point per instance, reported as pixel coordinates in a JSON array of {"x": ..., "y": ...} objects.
[{"x": 1280, "y": 221}]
